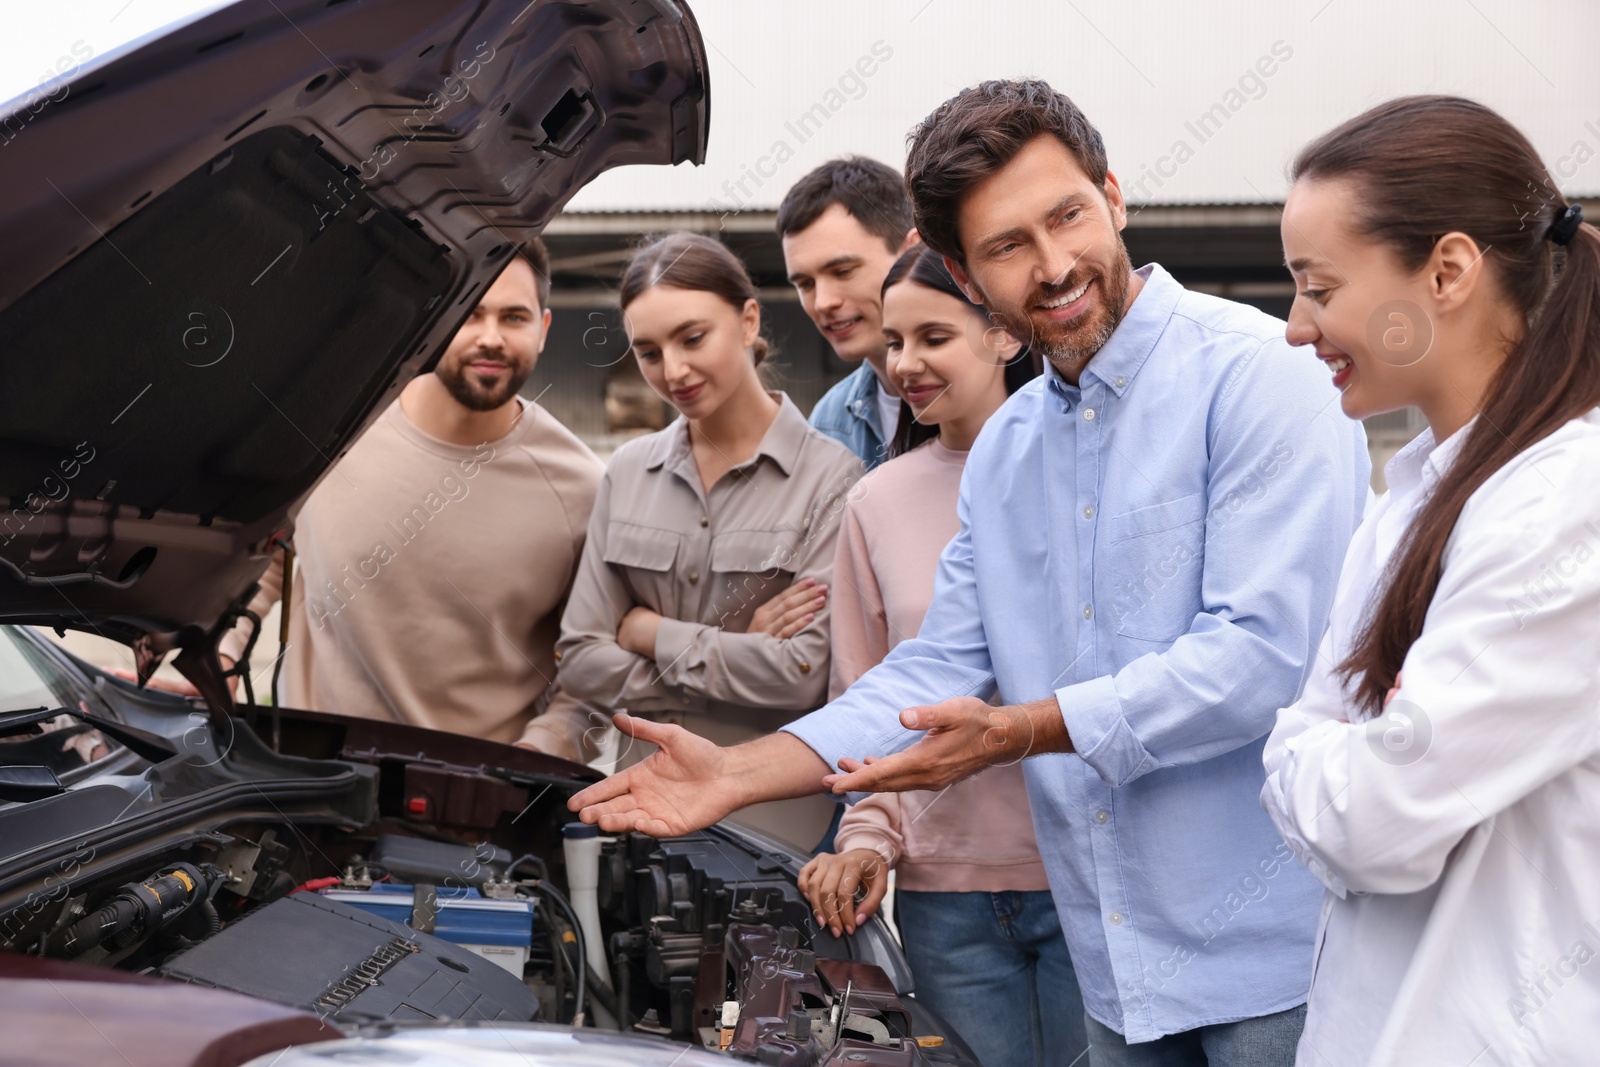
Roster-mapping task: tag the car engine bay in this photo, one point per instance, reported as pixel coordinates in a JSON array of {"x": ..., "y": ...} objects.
[{"x": 434, "y": 891}]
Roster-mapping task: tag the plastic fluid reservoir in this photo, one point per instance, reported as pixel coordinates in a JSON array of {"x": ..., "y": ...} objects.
[{"x": 580, "y": 844}]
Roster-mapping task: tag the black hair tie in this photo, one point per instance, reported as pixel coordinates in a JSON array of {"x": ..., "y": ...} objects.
[{"x": 1566, "y": 224}]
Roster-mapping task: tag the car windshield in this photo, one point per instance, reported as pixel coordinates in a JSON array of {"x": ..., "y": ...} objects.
[{"x": 30, "y": 679}]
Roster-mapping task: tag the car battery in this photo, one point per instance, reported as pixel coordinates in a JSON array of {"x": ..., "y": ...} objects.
[{"x": 500, "y": 931}]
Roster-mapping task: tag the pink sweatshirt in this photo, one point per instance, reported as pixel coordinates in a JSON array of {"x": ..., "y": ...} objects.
[{"x": 976, "y": 836}]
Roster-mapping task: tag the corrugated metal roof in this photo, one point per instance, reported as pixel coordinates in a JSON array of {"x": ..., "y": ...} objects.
[{"x": 1199, "y": 103}]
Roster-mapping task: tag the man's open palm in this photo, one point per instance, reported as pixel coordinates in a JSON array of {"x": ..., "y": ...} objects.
[
  {"x": 681, "y": 787},
  {"x": 963, "y": 736}
]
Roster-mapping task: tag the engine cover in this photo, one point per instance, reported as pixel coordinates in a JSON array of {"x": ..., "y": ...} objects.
[{"x": 351, "y": 965}]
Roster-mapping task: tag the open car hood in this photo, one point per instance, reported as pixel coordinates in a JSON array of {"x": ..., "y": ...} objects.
[{"x": 227, "y": 250}]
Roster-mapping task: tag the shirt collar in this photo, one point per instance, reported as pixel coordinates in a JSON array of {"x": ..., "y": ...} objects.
[
  {"x": 1423, "y": 461},
  {"x": 863, "y": 393},
  {"x": 781, "y": 443},
  {"x": 1135, "y": 337}
]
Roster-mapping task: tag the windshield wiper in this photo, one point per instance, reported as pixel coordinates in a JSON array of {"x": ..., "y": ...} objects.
[
  {"x": 20, "y": 721},
  {"x": 152, "y": 747}
]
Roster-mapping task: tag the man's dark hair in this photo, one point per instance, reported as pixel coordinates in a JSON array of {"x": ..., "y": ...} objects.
[
  {"x": 537, "y": 256},
  {"x": 873, "y": 193},
  {"x": 977, "y": 132}
]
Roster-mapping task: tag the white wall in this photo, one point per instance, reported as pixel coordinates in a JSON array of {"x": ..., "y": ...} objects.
[{"x": 1141, "y": 70}]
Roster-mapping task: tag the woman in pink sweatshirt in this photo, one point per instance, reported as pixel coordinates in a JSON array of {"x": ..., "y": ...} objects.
[{"x": 973, "y": 904}]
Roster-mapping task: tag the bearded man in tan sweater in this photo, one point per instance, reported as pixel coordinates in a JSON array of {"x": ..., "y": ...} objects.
[{"x": 433, "y": 561}]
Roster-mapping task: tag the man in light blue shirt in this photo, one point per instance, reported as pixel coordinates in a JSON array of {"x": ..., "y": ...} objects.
[
  {"x": 1150, "y": 539},
  {"x": 843, "y": 225}
]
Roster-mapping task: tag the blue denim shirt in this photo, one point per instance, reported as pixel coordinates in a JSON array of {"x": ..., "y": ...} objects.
[
  {"x": 1157, "y": 547},
  {"x": 848, "y": 413}
]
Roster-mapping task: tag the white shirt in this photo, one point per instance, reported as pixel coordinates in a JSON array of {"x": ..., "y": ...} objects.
[
  {"x": 888, "y": 412},
  {"x": 1459, "y": 834}
]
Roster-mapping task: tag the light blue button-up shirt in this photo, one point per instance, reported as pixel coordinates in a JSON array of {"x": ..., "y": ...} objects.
[{"x": 1158, "y": 547}]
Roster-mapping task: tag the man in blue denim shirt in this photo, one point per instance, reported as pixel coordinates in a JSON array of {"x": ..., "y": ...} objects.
[
  {"x": 842, "y": 226},
  {"x": 1150, "y": 540}
]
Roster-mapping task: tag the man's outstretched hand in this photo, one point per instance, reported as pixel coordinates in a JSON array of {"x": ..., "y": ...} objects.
[
  {"x": 964, "y": 735},
  {"x": 681, "y": 787},
  {"x": 688, "y": 783}
]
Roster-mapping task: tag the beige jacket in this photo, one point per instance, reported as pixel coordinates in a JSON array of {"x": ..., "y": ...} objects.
[
  {"x": 429, "y": 582},
  {"x": 705, "y": 562}
]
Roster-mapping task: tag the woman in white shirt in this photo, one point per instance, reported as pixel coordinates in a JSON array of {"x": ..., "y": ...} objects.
[{"x": 1441, "y": 773}]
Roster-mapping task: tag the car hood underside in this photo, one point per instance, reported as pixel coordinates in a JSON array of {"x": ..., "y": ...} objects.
[{"x": 228, "y": 249}]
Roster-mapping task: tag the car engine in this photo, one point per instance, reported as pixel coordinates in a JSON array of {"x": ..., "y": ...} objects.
[{"x": 702, "y": 939}]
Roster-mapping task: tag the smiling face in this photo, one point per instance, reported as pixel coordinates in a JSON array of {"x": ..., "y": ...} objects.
[
  {"x": 1355, "y": 305},
  {"x": 837, "y": 265},
  {"x": 1044, "y": 252},
  {"x": 693, "y": 347},
  {"x": 495, "y": 350},
  {"x": 938, "y": 355}
]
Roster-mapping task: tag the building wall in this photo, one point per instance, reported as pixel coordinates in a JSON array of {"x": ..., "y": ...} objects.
[
  {"x": 587, "y": 348},
  {"x": 1198, "y": 102},
  {"x": 1233, "y": 251}
]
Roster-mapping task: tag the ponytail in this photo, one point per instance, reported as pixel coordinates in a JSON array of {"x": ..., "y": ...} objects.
[{"x": 1432, "y": 165}]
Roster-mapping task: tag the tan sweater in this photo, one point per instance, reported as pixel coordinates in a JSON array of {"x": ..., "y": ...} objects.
[
  {"x": 976, "y": 836},
  {"x": 430, "y": 578}
]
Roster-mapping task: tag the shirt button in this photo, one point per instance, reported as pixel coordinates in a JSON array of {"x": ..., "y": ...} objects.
[
  {"x": 1121, "y": 381},
  {"x": 1101, "y": 816},
  {"x": 805, "y": 668},
  {"x": 558, "y": 657},
  {"x": 1088, "y": 414},
  {"x": 704, "y": 521},
  {"x": 1088, "y": 512},
  {"x": 1088, "y": 612},
  {"x": 1116, "y": 918},
  {"x": 694, "y": 576}
]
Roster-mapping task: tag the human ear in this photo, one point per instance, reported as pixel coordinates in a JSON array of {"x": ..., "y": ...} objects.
[
  {"x": 959, "y": 275},
  {"x": 544, "y": 332},
  {"x": 1000, "y": 344},
  {"x": 1454, "y": 270},
  {"x": 1112, "y": 191},
  {"x": 751, "y": 319}
]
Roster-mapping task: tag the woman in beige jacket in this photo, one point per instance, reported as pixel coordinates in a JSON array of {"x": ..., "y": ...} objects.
[{"x": 699, "y": 599}]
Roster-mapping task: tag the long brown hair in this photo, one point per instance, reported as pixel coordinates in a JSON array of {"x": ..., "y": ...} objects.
[
  {"x": 1426, "y": 166},
  {"x": 691, "y": 261}
]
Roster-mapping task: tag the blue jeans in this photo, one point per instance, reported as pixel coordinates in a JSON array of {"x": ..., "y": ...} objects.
[
  {"x": 1267, "y": 1041},
  {"x": 995, "y": 966}
]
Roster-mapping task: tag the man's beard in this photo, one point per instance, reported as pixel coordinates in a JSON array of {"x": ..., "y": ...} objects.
[
  {"x": 462, "y": 385},
  {"x": 1069, "y": 345}
]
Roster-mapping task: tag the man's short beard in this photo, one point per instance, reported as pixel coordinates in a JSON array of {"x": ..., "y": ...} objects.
[
  {"x": 475, "y": 398},
  {"x": 1068, "y": 353}
]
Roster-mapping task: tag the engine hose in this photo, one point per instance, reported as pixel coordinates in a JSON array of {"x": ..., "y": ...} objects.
[
  {"x": 572, "y": 917},
  {"x": 137, "y": 909},
  {"x": 112, "y": 919},
  {"x": 624, "y": 992},
  {"x": 559, "y": 963},
  {"x": 600, "y": 991}
]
